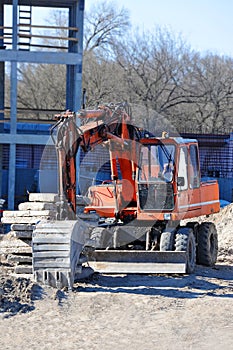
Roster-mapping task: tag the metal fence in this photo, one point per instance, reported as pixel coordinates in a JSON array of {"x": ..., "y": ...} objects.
[{"x": 216, "y": 161}]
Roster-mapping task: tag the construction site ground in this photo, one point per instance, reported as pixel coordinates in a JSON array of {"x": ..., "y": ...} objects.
[{"x": 125, "y": 311}]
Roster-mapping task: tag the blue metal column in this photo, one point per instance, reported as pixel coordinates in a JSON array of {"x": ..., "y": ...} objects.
[
  {"x": 79, "y": 14},
  {"x": 13, "y": 115},
  {"x": 2, "y": 68},
  {"x": 2, "y": 90},
  {"x": 72, "y": 59},
  {"x": 74, "y": 72},
  {"x": 70, "y": 68}
]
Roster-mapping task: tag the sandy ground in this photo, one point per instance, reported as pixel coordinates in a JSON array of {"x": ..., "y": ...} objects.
[{"x": 125, "y": 311}]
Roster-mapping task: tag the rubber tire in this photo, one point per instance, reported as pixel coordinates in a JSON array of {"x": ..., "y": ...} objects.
[
  {"x": 207, "y": 244},
  {"x": 185, "y": 242},
  {"x": 167, "y": 241}
]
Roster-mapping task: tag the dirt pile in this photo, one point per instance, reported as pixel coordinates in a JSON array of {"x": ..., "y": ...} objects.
[
  {"x": 224, "y": 224},
  {"x": 16, "y": 294}
]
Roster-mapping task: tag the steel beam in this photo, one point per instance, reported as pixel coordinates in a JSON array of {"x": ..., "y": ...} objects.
[
  {"x": 41, "y": 57},
  {"x": 25, "y": 139}
]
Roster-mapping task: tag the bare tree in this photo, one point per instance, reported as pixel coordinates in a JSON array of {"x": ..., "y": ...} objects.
[
  {"x": 41, "y": 87},
  {"x": 59, "y": 20},
  {"x": 163, "y": 74},
  {"x": 210, "y": 79},
  {"x": 166, "y": 82},
  {"x": 153, "y": 67},
  {"x": 103, "y": 24},
  {"x": 218, "y": 80},
  {"x": 103, "y": 80}
]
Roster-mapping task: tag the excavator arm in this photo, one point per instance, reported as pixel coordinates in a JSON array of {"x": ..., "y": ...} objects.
[{"x": 108, "y": 124}]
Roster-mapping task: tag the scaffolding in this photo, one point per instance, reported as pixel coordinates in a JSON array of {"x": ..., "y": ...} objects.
[{"x": 20, "y": 42}]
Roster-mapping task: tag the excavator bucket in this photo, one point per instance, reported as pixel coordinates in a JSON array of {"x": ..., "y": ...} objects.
[
  {"x": 137, "y": 261},
  {"x": 56, "y": 251}
]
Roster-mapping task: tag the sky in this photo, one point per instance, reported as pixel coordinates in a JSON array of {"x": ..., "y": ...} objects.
[{"x": 207, "y": 25}]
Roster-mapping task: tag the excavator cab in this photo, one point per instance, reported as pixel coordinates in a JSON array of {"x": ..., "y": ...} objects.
[{"x": 156, "y": 176}]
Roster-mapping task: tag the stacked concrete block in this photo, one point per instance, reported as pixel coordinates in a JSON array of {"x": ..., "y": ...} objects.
[
  {"x": 41, "y": 206},
  {"x": 16, "y": 246}
]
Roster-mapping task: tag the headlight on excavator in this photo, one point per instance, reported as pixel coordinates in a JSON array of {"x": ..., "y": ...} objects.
[{"x": 167, "y": 216}]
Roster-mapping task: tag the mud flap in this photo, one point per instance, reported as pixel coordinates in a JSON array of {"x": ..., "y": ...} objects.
[
  {"x": 137, "y": 261},
  {"x": 56, "y": 249}
]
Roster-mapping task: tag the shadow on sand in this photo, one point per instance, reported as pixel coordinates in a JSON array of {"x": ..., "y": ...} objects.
[{"x": 216, "y": 282}]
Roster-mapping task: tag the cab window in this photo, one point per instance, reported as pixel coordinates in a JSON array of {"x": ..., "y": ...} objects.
[
  {"x": 182, "y": 171},
  {"x": 194, "y": 176}
]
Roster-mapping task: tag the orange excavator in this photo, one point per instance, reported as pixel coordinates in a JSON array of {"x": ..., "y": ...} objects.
[{"x": 131, "y": 222}]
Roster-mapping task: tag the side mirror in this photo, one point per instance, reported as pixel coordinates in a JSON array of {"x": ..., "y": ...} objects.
[{"x": 180, "y": 181}]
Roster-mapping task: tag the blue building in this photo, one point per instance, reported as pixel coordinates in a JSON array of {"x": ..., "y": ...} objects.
[{"x": 21, "y": 147}]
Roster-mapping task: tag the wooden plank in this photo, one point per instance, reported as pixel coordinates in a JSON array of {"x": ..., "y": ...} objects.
[
  {"x": 46, "y": 46},
  {"x": 47, "y": 37},
  {"x": 4, "y": 27},
  {"x": 74, "y": 29}
]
